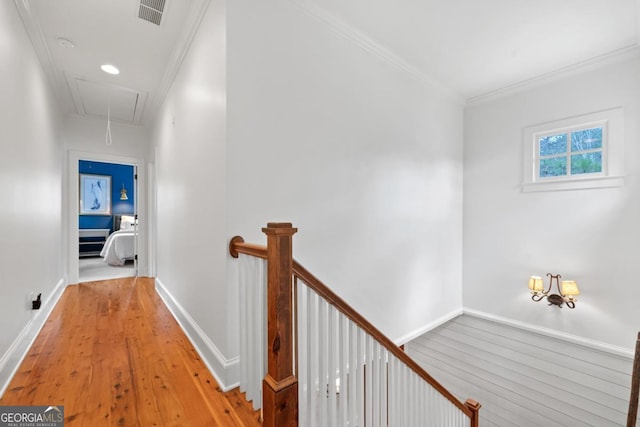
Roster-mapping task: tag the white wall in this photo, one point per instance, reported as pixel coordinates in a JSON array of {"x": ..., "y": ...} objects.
[
  {"x": 363, "y": 158},
  {"x": 84, "y": 139},
  {"x": 189, "y": 136},
  {"x": 30, "y": 176},
  {"x": 87, "y": 134},
  {"x": 589, "y": 235}
]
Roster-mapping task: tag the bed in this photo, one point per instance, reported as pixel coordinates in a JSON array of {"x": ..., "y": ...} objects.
[{"x": 120, "y": 245}]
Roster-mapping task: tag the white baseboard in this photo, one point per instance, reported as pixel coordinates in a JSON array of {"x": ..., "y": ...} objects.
[
  {"x": 225, "y": 371},
  {"x": 11, "y": 360},
  {"x": 428, "y": 327},
  {"x": 597, "y": 345}
]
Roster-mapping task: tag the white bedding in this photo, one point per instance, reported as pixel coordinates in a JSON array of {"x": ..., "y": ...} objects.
[{"x": 119, "y": 247}]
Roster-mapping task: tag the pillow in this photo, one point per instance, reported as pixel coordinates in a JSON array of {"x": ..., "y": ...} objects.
[{"x": 126, "y": 222}]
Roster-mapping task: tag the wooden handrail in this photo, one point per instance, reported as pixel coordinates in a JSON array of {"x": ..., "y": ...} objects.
[
  {"x": 326, "y": 293},
  {"x": 635, "y": 387},
  {"x": 470, "y": 407},
  {"x": 238, "y": 246}
]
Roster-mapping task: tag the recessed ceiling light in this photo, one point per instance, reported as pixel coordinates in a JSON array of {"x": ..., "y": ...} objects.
[
  {"x": 66, "y": 43},
  {"x": 111, "y": 69}
]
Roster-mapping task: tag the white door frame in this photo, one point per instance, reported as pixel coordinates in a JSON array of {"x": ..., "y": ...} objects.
[{"x": 74, "y": 197}]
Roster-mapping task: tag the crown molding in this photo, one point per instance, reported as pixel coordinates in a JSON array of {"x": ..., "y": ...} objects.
[
  {"x": 194, "y": 20},
  {"x": 35, "y": 33},
  {"x": 620, "y": 55},
  {"x": 372, "y": 47}
]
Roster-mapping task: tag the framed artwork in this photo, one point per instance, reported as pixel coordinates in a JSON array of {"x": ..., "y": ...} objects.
[{"x": 95, "y": 194}]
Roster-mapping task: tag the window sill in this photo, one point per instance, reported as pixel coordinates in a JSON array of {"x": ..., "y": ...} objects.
[{"x": 575, "y": 184}]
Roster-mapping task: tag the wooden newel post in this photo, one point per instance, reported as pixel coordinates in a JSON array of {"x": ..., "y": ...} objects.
[
  {"x": 474, "y": 407},
  {"x": 280, "y": 386}
]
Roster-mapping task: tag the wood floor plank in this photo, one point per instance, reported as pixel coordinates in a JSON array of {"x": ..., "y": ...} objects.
[
  {"x": 243, "y": 408},
  {"x": 113, "y": 355}
]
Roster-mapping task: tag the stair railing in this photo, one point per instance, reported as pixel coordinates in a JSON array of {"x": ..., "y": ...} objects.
[
  {"x": 326, "y": 364},
  {"x": 635, "y": 387}
]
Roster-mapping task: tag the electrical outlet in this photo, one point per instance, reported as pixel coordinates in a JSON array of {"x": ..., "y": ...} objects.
[{"x": 36, "y": 302}]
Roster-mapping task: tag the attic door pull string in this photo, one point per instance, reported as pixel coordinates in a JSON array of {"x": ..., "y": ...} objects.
[{"x": 108, "y": 140}]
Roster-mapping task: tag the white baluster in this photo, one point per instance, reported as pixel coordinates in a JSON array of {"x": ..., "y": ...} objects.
[
  {"x": 343, "y": 363},
  {"x": 369, "y": 382},
  {"x": 360, "y": 420},
  {"x": 242, "y": 291},
  {"x": 323, "y": 369},
  {"x": 313, "y": 365},
  {"x": 405, "y": 384},
  {"x": 253, "y": 333},
  {"x": 393, "y": 391},
  {"x": 375, "y": 384},
  {"x": 252, "y": 288},
  {"x": 347, "y": 378},
  {"x": 384, "y": 385},
  {"x": 332, "y": 349},
  {"x": 303, "y": 354},
  {"x": 353, "y": 374},
  {"x": 261, "y": 328}
]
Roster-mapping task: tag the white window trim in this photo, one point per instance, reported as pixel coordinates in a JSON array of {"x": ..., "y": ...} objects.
[{"x": 612, "y": 174}]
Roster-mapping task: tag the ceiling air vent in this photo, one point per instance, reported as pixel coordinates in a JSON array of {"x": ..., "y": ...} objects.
[{"x": 151, "y": 10}]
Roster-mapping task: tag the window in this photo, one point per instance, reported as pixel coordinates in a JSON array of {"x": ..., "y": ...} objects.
[
  {"x": 569, "y": 153},
  {"x": 575, "y": 153}
]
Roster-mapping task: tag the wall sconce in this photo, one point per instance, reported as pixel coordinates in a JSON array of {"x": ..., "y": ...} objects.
[
  {"x": 568, "y": 290},
  {"x": 123, "y": 193}
]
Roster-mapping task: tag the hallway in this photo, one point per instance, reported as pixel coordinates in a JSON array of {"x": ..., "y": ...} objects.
[
  {"x": 112, "y": 354},
  {"x": 95, "y": 268}
]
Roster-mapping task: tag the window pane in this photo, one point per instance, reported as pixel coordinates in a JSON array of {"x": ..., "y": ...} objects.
[
  {"x": 587, "y": 139},
  {"x": 553, "y": 144},
  {"x": 586, "y": 163},
  {"x": 556, "y": 166}
]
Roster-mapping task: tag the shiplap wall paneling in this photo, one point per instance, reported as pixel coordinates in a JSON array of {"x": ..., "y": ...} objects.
[{"x": 523, "y": 378}]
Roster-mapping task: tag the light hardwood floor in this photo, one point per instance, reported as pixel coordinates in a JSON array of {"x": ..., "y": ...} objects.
[{"x": 113, "y": 355}]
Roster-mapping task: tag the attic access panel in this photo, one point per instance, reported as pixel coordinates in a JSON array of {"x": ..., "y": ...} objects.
[{"x": 97, "y": 99}]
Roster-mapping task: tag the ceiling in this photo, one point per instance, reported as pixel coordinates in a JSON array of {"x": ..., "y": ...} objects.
[
  {"x": 472, "y": 47},
  {"x": 73, "y": 38},
  {"x": 476, "y": 47}
]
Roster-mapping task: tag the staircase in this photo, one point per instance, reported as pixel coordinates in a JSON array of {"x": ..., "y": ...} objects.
[{"x": 308, "y": 358}]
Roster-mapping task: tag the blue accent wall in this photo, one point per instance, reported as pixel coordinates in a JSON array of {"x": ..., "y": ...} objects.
[{"x": 120, "y": 174}]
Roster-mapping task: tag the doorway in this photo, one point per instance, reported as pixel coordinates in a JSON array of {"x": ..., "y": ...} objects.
[
  {"x": 107, "y": 221},
  {"x": 106, "y": 206}
]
